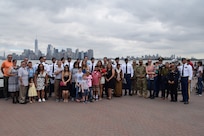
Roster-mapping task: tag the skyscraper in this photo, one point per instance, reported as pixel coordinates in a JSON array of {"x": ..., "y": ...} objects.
[
  {"x": 50, "y": 49},
  {"x": 36, "y": 47},
  {"x": 90, "y": 53},
  {"x": 77, "y": 54}
]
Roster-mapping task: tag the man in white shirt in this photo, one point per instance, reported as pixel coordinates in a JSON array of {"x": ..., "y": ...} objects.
[
  {"x": 69, "y": 63},
  {"x": 186, "y": 77},
  {"x": 92, "y": 65},
  {"x": 42, "y": 61},
  {"x": 52, "y": 75},
  {"x": 128, "y": 74}
]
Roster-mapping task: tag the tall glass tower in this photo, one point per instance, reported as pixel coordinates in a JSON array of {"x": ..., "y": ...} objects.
[{"x": 36, "y": 47}]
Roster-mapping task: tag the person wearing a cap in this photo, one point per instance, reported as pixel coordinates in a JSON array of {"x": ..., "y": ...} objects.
[
  {"x": 164, "y": 82},
  {"x": 186, "y": 77},
  {"x": 128, "y": 74},
  {"x": 141, "y": 79},
  {"x": 158, "y": 77}
]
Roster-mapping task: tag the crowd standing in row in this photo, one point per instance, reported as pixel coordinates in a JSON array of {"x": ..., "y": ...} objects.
[{"x": 88, "y": 81}]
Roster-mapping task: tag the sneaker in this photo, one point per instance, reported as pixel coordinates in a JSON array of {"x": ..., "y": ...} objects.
[
  {"x": 43, "y": 99},
  {"x": 57, "y": 100},
  {"x": 200, "y": 95},
  {"x": 39, "y": 100}
]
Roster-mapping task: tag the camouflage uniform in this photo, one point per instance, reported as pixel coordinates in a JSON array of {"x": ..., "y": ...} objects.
[
  {"x": 141, "y": 80},
  {"x": 134, "y": 80}
]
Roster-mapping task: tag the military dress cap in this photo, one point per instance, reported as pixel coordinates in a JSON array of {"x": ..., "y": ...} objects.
[
  {"x": 160, "y": 58},
  {"x": 140, "y": 60}
]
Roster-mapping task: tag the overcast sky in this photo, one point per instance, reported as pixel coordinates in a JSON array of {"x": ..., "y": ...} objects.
[{"x": 110, "y": 27}]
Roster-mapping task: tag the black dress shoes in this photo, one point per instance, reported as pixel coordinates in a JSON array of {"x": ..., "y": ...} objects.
[{"x": 186, "y": 102}]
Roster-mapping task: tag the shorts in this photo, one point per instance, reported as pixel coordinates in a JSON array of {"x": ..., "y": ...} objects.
[
  {"x": 95, "y": 87},
  {"x": 86, "y": 92}
]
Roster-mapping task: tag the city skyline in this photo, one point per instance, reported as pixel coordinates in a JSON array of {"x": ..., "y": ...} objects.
[
  {"x": 110, "y": 28},
  {"x": 35, "y": 53}
]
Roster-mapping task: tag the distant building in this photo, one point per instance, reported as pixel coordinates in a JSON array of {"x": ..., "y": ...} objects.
[
  {"x": 36, "y": 47},
  {"x": 81, "y": 55},
  {"x": 90, "y": 54},
  {"x": 77, "y": 54},
  {"x": 69, "y": 52},
  {"x": 50, "y": 51}
]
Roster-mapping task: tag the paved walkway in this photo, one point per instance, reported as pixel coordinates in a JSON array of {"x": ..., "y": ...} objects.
[{"x": 126, "y": 116}]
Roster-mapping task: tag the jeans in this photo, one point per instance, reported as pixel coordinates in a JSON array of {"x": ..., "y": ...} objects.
[
  {"x": 77, "y": 92},
  {"x": 200, "y": 85},
  {"x": 90, "y": 93},
  {"x": 150, "y": 86},
  {"x": 156, "y": 86}
]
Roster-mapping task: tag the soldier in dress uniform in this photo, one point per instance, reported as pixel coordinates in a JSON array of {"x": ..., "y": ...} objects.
[
  {"x": 53, "y": 66},
  {"x": 186, "y": 77},
  {"x": 141, "y": 79}
]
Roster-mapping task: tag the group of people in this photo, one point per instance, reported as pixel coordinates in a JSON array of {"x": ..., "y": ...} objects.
[{"x": 87, "y": 80}]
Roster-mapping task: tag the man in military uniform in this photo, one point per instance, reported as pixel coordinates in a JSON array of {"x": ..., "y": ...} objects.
[
  {"x": 141, "y": 79},
  {"x": 164, "y": 81},
  {"x": 158, "y": 78},
  {"x": 134, "y": 78}
]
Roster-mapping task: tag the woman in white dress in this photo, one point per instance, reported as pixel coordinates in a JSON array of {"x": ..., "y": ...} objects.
[{"x": 41, "y": 78}]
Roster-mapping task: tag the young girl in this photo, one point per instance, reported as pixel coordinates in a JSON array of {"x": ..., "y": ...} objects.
[
  {"x": 32, "y": 90},
  {"x": 78, "y": 81},
  {"x": 89, "y": 80},
  {"x": 96, "y": 77}
]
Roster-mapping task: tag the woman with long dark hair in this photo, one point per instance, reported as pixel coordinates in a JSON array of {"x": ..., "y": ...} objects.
[
  {"x": 41, "y": 78},
  {"x": 66, "y": 78},
  {"x": 110, "y": 81}
]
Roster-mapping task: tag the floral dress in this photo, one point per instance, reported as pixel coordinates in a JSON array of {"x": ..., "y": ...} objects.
[{"x": 41, "y": 81}]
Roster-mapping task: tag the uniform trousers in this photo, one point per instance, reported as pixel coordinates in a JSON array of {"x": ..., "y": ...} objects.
[
  {"x": 184, "y": 88},
  {"x": 128, "y": 84}
]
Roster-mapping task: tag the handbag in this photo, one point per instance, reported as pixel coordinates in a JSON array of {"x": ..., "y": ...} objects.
[{"x": 62, "y": 83}]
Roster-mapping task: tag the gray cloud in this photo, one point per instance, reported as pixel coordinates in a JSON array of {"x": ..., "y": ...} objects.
[{"x": 111, "y": 28}]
